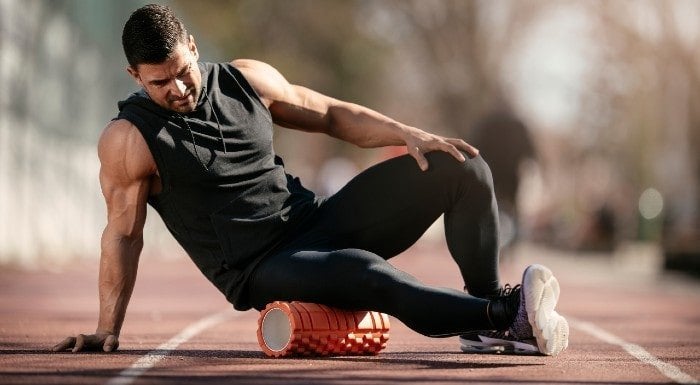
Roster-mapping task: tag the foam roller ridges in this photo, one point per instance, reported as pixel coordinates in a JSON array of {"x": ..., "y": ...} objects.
[{"x": 305, "y": 329}]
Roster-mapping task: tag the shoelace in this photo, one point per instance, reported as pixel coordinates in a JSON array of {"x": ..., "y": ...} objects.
[
  {"x": 507, "y": 290},
  {"x": 510, "y": 295}
]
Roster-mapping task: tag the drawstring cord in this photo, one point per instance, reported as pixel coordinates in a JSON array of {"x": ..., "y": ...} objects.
[
  {"x": 194, "y": 142},
  {"x": 218, "y": 126}
]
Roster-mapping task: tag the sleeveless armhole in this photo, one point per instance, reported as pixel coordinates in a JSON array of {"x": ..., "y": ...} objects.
[
  {"x": 247, "y": 88},
  {"x": 150, "y": 137}
]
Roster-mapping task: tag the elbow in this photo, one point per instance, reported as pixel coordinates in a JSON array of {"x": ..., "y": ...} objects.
[{"x": 114, "y": 239}]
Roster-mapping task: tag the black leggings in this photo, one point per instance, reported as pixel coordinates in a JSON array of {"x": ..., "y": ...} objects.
[{"x": 341, "y": 258}]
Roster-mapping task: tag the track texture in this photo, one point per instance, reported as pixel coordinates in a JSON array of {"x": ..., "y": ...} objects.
[{"x": 623, "y": 295}]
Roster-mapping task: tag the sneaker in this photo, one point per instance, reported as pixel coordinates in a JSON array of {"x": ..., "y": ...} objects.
[
  {"x": 539, "y": 293},
  {"x": 496, "y": 342},
  {"x": 500, "y": 341}
]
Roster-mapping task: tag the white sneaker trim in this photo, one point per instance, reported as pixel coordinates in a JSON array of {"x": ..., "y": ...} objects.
[{"x": 541, "y": 292}]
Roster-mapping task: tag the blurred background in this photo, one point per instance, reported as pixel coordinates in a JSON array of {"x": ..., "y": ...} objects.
[{"x": 587, "y": 111}]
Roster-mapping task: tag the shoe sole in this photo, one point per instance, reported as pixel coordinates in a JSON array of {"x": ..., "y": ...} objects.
[
  {"x": 541, "y": 292},
  {"x": 481, "y": 348},
  {"x": 498, "y": 346}
]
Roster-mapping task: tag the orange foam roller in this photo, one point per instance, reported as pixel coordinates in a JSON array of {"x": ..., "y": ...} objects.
[{"x": 301, "y": 328}]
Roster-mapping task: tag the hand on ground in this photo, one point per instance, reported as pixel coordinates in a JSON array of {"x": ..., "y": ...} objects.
[{"x": 106, "y": 342}]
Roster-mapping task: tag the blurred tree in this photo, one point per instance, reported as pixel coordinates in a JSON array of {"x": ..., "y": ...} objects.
[
  {"x": 312, "y": 42},
  {"x": 451, "y": 55}
]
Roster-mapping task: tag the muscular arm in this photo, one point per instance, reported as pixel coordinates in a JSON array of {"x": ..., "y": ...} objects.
[
  {"x": 125, "y": 174},
  {"x": 300, "y": 108}
]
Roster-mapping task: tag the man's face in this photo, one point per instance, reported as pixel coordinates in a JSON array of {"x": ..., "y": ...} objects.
[{"x": 174, "y": 84}]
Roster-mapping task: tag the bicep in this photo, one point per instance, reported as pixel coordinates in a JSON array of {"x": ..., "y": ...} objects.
[
  {"x": 290, "y": 105},
  {"x": 125, "y": 175},
  {"x": 126, "y": 205},
  {"x": 303, "y": 109}
]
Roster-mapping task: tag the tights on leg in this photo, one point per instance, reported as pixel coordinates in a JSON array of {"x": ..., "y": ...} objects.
[
  {"x": 341, "y": 259},
  {"x": 355, "y": 279}
]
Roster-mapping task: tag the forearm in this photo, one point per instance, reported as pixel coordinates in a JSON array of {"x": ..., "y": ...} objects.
[
  {"x": 118, "y": 267},
  {"x": 300, "y": 108},
  {"x": 364, "y": 127}
]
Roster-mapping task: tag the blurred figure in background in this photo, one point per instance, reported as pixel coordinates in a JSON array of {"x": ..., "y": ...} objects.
[{"x": 505, "y": 143}]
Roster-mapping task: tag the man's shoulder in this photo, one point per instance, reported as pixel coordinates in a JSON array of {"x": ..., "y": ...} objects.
[
  {"x": 116, "y": 134},
  {"x": 253, "y": 69},
  {"x": 120, "y": 141},
  {"x": 263, "y": 79},
  {"x": 237, "y": 67},
  {"x": 121, "y": 135},
  {"x": 117, "y": 127},
  {"x": 248, "y": 63}
]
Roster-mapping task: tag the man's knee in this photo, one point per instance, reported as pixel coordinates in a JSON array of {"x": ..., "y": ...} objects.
[
  {"x": 473, "y": 172},
  {"x": 481, "y": 170}
]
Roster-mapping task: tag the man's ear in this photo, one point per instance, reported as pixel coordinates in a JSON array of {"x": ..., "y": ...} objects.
[
  {"x": 193, "y": 48},
  {"x": 134, "y": 74}
]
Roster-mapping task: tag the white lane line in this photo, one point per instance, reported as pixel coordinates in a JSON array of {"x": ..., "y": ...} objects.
[
  {"x": 130, "y": 374},
  {"x": 670, "y": 371}
]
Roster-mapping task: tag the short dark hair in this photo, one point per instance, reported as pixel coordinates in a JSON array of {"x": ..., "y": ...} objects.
[{"x": 151, "y": 35}]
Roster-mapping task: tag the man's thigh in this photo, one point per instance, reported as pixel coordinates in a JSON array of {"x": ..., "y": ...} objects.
[
  {"x": 331, "y": 277},
  {"x": 386, "y": 208}
]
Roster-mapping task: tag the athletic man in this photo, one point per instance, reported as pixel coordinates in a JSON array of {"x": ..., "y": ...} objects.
[{"x": 196, "y": 143}]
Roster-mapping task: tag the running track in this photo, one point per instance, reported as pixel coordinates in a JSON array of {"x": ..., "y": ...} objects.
[{"x": 630, "y": 325}]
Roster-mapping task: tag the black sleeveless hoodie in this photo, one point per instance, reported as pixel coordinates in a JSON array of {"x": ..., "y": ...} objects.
[{"x": 226, "y": 197}]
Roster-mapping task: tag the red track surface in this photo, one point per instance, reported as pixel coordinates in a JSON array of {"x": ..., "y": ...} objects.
[{"x": 657, "y": 313}]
